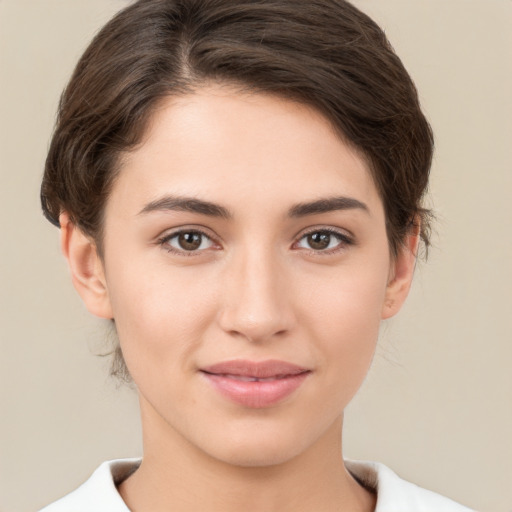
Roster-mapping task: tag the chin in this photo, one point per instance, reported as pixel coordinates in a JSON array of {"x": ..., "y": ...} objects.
[{"x": 257, "y": 447}]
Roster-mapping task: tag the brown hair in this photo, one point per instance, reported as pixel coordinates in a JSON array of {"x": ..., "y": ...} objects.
[{"x": 323, "y": 53}]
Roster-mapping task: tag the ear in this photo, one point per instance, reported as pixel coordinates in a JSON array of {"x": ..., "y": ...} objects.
[
  {"x": 87, "y": 272},
  {"x": 401, "y": 274}
]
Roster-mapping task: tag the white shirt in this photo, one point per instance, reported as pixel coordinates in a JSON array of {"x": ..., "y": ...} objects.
[{"x": 99, "y": 493}]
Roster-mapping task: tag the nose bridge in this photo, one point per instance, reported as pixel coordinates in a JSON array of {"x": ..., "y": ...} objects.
[{"x": 256, "y": 304}]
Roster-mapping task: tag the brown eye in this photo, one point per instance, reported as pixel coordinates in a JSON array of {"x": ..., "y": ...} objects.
[
  {"x": 324, "y": 240},
  {"x": 319, "y": 241},
  {"x": 190, "y": 241},
  {"x": 187, "y": 241}
]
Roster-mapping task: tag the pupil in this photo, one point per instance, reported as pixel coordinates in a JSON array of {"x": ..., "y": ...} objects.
[
  {"x": 319, "y": 240},
  {"x": 189, "y": 241}
]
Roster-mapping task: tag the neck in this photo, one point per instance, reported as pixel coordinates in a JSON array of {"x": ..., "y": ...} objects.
[{"x": 176, "y": 475}]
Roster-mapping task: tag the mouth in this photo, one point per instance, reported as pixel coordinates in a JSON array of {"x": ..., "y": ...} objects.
[
  {"x": 243, "y": 378},
  {"x": 255, "y": 384}
]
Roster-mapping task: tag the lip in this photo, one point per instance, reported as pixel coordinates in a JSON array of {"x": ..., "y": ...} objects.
[{"x": 240, "y": 381}]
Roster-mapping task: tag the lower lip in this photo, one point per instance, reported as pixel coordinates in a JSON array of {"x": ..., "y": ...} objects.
[{"x": 257, "y": 394}]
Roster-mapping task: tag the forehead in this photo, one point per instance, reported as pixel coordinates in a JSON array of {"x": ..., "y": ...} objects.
[{"x": 242, "y": 149}]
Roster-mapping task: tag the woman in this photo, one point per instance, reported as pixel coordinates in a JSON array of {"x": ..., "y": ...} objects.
[{"x": 239, "y": 187}]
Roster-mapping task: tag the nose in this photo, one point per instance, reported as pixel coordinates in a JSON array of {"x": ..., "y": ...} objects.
[{"x": 256, "y": 302}]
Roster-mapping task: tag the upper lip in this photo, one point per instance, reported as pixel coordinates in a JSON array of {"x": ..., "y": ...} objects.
[{"x": 257, "y": 369}]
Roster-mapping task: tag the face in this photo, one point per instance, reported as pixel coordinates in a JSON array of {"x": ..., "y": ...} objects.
[{"x": 244, "y": 240}]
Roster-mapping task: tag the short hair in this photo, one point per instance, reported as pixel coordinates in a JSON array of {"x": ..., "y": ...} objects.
[{"x": 326, "y": 54}]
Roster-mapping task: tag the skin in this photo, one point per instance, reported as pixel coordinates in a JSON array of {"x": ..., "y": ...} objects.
[{"x": 256, "y": 288}]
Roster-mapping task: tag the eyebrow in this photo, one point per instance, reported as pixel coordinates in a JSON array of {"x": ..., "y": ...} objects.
[
  {"x": 326, "y": 205},
  {"x": 193, "y": 205},
  {"x": 187, "y": 204}
]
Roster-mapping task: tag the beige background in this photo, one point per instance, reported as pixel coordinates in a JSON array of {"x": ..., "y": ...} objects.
[{"x": 437, "y": 406}]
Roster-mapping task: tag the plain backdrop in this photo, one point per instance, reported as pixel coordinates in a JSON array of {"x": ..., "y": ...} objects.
[{"x": 437, "y": 405}]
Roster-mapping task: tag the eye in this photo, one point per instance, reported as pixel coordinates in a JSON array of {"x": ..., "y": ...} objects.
[
  {"x": 324, "y": 240},
  {"x": 188, "y": 241}
]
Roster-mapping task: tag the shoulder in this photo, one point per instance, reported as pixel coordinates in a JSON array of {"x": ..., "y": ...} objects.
[
  {"x": 397, "y": 495},
  {"x": 99, "y": 493}
]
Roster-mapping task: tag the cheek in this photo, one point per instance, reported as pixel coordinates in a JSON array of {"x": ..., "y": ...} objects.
[
  {"x": 160, "y": 313},
  {"x": 346, "y": 303},
  {"x": 343, "y": 315}
]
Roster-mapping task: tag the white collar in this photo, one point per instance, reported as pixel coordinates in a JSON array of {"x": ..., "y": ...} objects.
[{"x": 99, "y": 493}]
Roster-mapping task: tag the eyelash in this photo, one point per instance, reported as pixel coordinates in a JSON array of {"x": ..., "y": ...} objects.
[
  {"x": 164, "y": 242},
  {"x": 344, "y": 241}
]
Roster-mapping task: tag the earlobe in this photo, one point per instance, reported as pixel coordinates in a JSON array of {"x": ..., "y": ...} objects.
[
  {"x": 401, "y": 274},
  {"x": 87, "y": 271}
]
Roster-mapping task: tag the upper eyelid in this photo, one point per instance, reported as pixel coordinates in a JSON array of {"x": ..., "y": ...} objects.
[
  {"x": 172, "y": 232},
  {"x": 330, "y": 229},
  {"x": 207, "y": 232}
]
